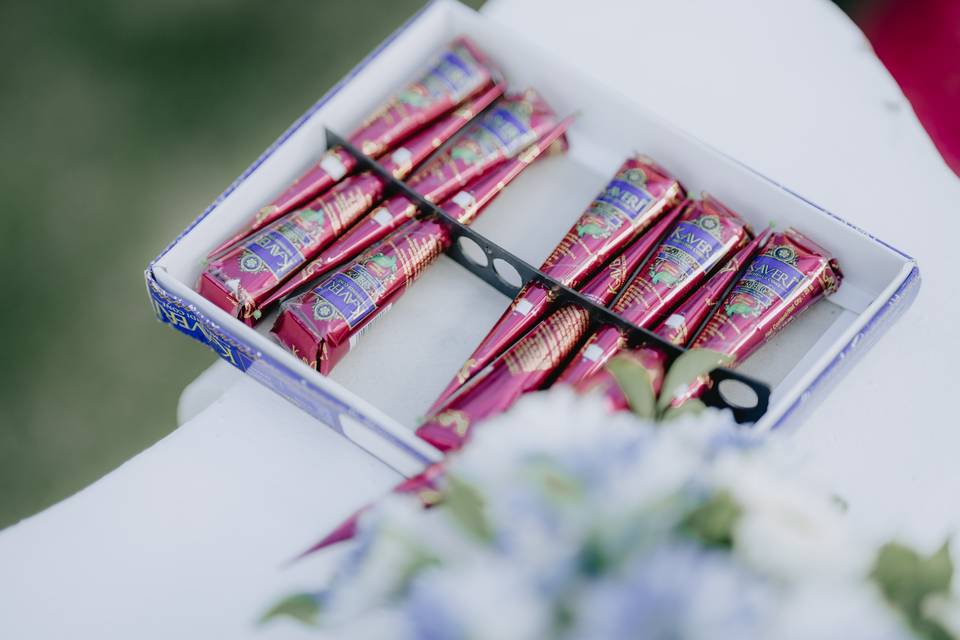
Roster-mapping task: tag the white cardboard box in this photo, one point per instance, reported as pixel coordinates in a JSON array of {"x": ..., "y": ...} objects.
[{"x": 376, "y": 394}]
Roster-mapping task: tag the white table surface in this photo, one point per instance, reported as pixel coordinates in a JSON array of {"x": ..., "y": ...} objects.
[{"x": 192, "y": 537}]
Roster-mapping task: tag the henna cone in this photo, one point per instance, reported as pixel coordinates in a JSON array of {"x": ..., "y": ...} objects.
[
  {"x": 320, "y": 326},
  {"x": 790, "y": 275},
  {"x": 239, "y": 280},
  {"x": 459, "y": 73},
  {"x": 706, "y": 235},
  {"x": 636, "y": 196},
  {"x": 501, "y": 136}
]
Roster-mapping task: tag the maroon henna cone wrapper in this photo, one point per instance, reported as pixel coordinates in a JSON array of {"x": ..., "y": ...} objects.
[
  {"x": 601, "y": 289},
  {"x": 460, "y": 72},
  {"x": 679, "y": 326},
  {"x": 320, "y": 326},
  {"x": 461, "y": 205},
  {"x": 636, "y": 196},
  {"x": 706, "y": 234},
  {"x": 516, "y": 122},
  {"x": 524, "y": 367},
  {"x": 242, "y": 279},
  {"x": 615, "y": 275},
  {"x": 677, "y": 329},
  {"x": 529, "y": 363},
  {"x": 790, "y": 274}
]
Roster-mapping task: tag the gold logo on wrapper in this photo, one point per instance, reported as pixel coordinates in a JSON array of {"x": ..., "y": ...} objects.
[
  {"x": 543, "y": 349},
  {"x": 464, "y": 374},
  {"x": 456, "y": 421}
]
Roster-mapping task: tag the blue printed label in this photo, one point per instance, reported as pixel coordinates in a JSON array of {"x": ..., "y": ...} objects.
[
  {"x": 185, "y": 321},
  {"x": 690, "y": 245},
  {"x": 627, "y": 198},
  {"x": 350, "y": 295},
  {"x": 506, "y": 128},
  {"x": 453, "y": 71},
  {"x": 689, "y": 248},
  {"x": 780, "y": 277},
  {"x": 765, "y": 280},
  {"x": 271, "y": 250},
  {"x": 452, "y": 75}
]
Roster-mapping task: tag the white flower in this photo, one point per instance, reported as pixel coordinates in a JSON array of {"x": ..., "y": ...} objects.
[
  {"x": 554, "y": 422},
  {"x": 839, "y": 611},
  {"x": 785, "y": 530}
]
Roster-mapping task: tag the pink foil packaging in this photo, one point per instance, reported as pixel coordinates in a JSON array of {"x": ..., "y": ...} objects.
[
  {"x": 678, "y": 328},
  {"x": 603, "y": 287},
  {"x": 528, "y": 364},
  {"x": 790, "y": 274},
  {"x": 460, "y": 72},
  {"x": 504, "y": 133},
  {"x": 636, "y": 196},
  {"x": 524, "y": 367},
  {"x": 241, "y": 279},
  {"x": 706, "y": 234},
  {"x": 320, "y": 326}
]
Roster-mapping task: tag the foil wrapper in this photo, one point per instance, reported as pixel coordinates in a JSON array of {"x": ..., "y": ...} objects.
[
  {"x": 524, "y": 367},
  {"x": 615, "y": 275},
  {"x": 629, "y": 204},
  {"x": 789, "y": 275},
  {"x": 704, "y": 237},
  {"x": 506, "y": 130},
  {"x": 460, "y": 72},
  {"x": 680, "y": 325},
  {"x": 320, "y": 326},
  {"x": 242, "y": 279}
]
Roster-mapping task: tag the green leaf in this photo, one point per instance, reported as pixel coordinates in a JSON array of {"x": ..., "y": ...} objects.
[
  {"x": 906, "y": 578},
  {"x": 301, "y": 606},
  {"x": 712, "y": 522},
  {"x": 465, "y": 505},
  {"x": 685, "y": 371},
  {"x": 634, "y": 380}
]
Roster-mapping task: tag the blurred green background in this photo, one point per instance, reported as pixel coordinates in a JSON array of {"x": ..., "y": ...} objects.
[{"x": 120, "y": 122}]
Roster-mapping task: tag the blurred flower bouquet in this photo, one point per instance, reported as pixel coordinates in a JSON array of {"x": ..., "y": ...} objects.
[{"x": 563, "y": 521}]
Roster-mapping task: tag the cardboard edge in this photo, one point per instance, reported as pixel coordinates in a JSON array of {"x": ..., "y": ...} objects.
[
  {"x": 404, "y": 452},
  {"x": 894, "y": 306}
]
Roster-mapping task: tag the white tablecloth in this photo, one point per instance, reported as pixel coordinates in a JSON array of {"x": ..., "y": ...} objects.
[{"x": 191, "y": 538}]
